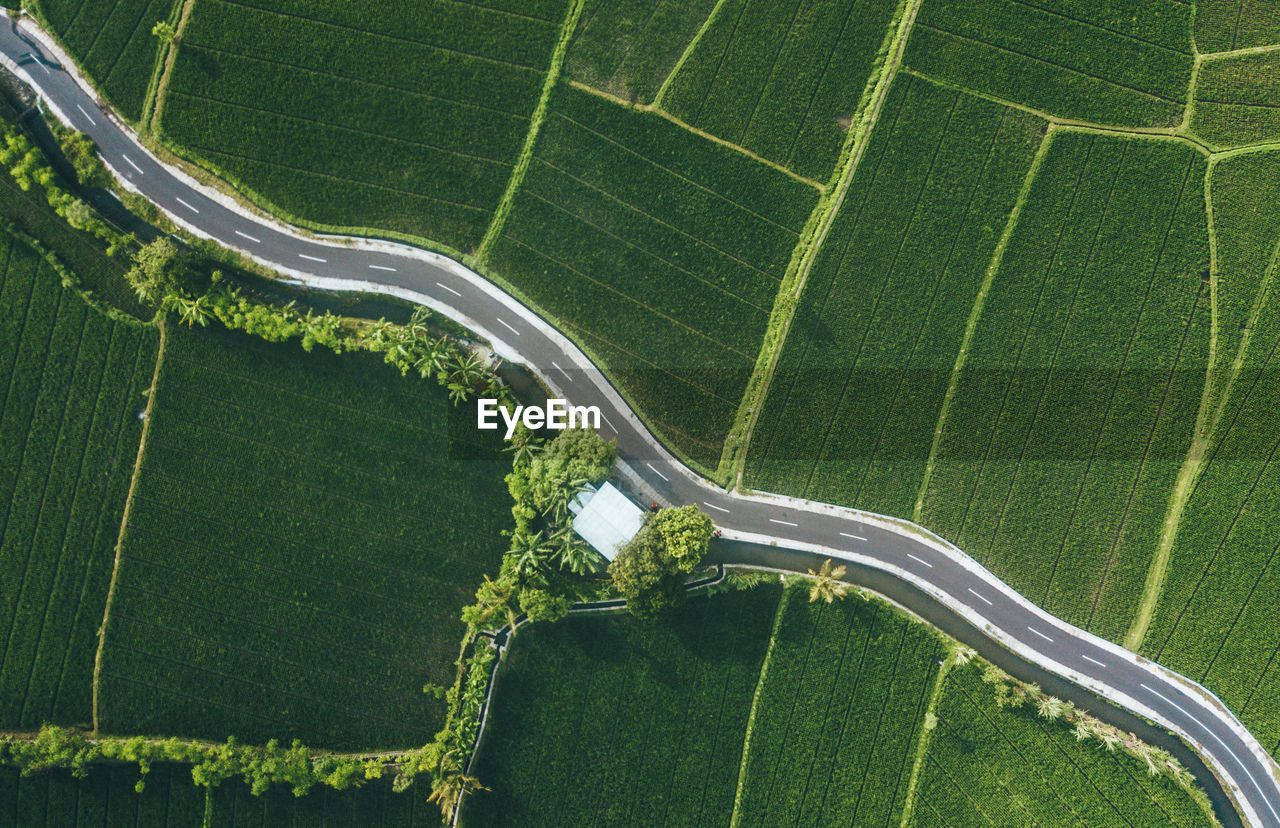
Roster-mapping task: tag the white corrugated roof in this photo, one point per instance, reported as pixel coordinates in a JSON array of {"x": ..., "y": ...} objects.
[{"x": 606, "y": 519}]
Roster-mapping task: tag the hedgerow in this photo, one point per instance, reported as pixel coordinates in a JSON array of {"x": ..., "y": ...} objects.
[
  {"x": 69, "y": 437},
  {"x": 1236, "y": 100},
  {"x": 1124, "y": 64},
  {"x": 782, "y": 79}
]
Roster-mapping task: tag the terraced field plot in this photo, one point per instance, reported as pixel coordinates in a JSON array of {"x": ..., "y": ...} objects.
[
  {"x": 854, "y": 400},
  {"x": 1075, "y": 408},
  {"x": 1123, "y": 64},
  {"x": 660, "y": 252},
  {"x": 1223, "y": 25},
  {"x": 404, "y": 119},
  {"x": 306, "y": 528},
  {"x": 782, "y": 78},
  {"x": 628, "y": 47},
  {"x": 1238, "y": 100},
  {"x": 988, "y": 766},
  {"x": 112, "y": 42},
  {"x": 613, "y": 721},
  {"x": 73, "y": 382}
]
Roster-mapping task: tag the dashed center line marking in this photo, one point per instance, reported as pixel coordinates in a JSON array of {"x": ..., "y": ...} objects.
[
  {"x": 714, "y": 506},
  {"x": 312, "y": 258},
  {"x": 186, "y": 204},
  {"x": 1092, "y": 660},
  {"x": 451, "y": 290},
  {"x": 855, "y": 537},
  {"x": 1042, "y": 635},
  {"x": 982, "y": 598},
  {"x": 919, "y": 560},
  {"x": 556, "y": 365},
  {"x": 85, "y": 113},
  {"x": 655, "y": 471},
  {"x": 609, "y": 424},
  {"x": 382, "y": 267},
  {"x": 129, "y": 161},
  {"x": 247, "y": 236},
  {"x": 783, "y": 522},
  {"x": 504, "y": 323}
]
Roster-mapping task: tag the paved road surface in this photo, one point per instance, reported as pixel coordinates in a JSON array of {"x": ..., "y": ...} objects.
[{"x": 930, "y": 564}]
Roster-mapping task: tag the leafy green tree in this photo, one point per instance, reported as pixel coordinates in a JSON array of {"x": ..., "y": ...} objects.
[
  {"x": 543, "y": 605},
  {"x": 493, "y": 604},
  {"x": 158, "y": 270},
  {"x": 83, "y": 155},
  {"x": 650, "y": 570},
  {"x": 576, "y": 456},
  {"x": 165, "y": 31},
  {"x": 685, "y": 532}
]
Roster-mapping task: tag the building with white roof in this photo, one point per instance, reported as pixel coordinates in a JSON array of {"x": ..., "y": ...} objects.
[{"x": 606, "y": 519}]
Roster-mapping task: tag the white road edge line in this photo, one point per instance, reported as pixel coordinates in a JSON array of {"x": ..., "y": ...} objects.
[
  {"x": 129, "y": 161},
  {"x": 783, "y": 522},
  {"x": 87, "y": 115},
  {"x": 1092, "y": 660},
  {"x": 1042, "y": 635},
  {"x": 451, "y": 290},
  {"x": 982, "y": 597},
  {"x": 504, "y": 323},
  {"x": 855, "y": 537},
  {"x": 655, "y": 471},
  {"x": 382, "y": 267},
  {"x": 1227, "y": 747},
  {"x": 714, "y": 506},
  {"x": 313, "y": 258},
  {"x": 185, "y": 204},
  {"x": 919, "y": 560},
  {"x": 556, "y": 366},
  {"x": 247, "y": 236}
]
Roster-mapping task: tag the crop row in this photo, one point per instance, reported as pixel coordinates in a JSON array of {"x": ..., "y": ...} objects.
[
  {"x": 628, "y": 48},
  {"x": 615, "y": 721},
  {"x": 71, "y": 380},
  {"x": 662, "y": 251},
  {"x": 1223, "y": 25},
  {"x": 1236, "y": 100},
  {"x": 854, "y": 400},
  {"x": 838, "y": 715},
  {"x": 783, "y": 79},
  {"x": 112, "y": 42},
  {"x": 1012, "y": 768},
  {"x": 1129, "y": 68},
  {"x": 1083, "y": 378}
]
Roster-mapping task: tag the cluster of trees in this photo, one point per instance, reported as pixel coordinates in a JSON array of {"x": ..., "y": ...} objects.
[
  {"x": 650, "y": 570},
  {"x": 28, "y": 168},
  {"x": 547, "y": 566}
]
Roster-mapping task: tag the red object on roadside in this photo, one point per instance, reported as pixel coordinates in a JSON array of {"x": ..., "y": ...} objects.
[{"x": 653, "y": 506}]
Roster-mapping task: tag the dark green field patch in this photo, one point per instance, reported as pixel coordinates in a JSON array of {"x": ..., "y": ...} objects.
[
  {"x": 1238, "y": 100},
  {"x": 72, "y": 383},
  {"x": 1121, "y": 63},
  {"x": 305, "y": 531},
  {"x": 1223, "y": 25}
]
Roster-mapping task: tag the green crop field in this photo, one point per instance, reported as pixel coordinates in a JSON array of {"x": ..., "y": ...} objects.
[
  {"x": 608, "y": 720},
  {"x": 112, "y": 42},
  {"x": 306, "y": 528},
  {"x": 401, "y": 118},
  {"x": 988, "y": 766},
  {"x": 1083, "y": 378},
  {"x": 628, "y": 47},
  {"x": 171, "y": 800},
  {"x": 782, "y": 79},
  {"x": 853, "y": 403},
  {"x": 1223, "y": 25},
  {"x": 1238, "y": 100},
  {"x": 73, "y": 382},
  {"x": 660, "y": 252},
  {"x": 1114, "y": 63},
  {"x": 838, "y": 715}
]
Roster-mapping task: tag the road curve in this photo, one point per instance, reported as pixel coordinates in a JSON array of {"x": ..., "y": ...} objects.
[{"x": 904, "y": 550}]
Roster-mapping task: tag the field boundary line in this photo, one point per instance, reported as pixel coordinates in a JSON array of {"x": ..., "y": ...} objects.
[
  {"x": 926, "y": 734},
  {"x": 701, "y": 133},
  {"x": 688, "y": 50},
  {"x": 876, "y": 91},
  {"x": 1205, "y": 427},
  {"x": 971, "y": 325},
  {"x": 783, "y": 601},
  {"x": 124, "y": 518},
  {"x": 165, "y": 58},
  {"x": 549, "y": 83},
  {"x": 1231, "y": 53}
]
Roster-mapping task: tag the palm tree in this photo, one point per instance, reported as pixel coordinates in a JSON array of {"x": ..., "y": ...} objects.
[
  {"x": 531, "y": 554},
  {"x": 493, "y": 598},
  {"x": 1051, "y": 707},
  {"x": 826, "y": 584},
  {"x": 449, "y": 783},
  {"x": 574, "y": 553}
]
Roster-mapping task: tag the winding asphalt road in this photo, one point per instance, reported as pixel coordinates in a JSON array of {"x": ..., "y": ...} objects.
[{"x": 910, "y": 553}]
